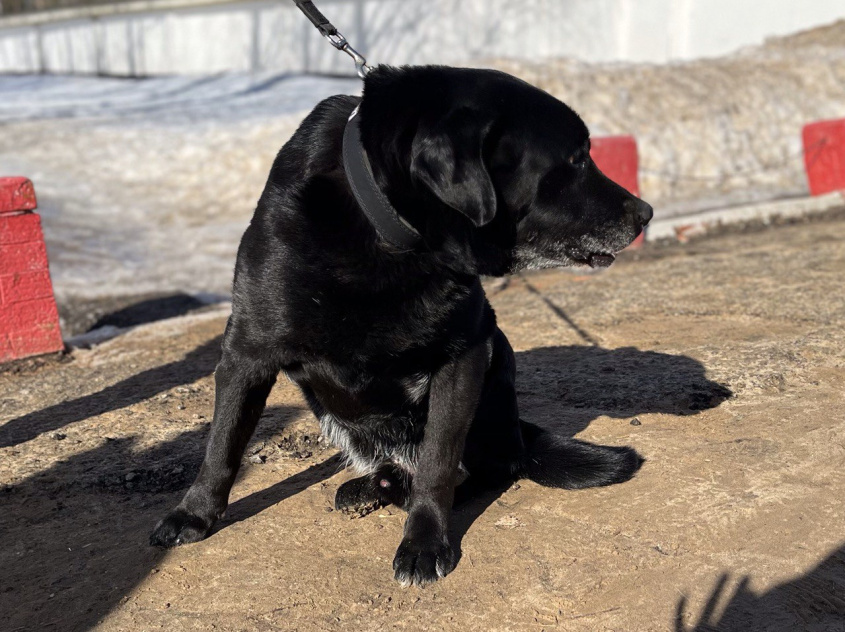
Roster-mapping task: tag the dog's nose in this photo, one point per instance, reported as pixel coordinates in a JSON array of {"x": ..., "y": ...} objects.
[{"x": 639, "y": 209}]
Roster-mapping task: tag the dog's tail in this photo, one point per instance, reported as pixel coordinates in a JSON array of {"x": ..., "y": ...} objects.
[{"x": 554, "y": 461}]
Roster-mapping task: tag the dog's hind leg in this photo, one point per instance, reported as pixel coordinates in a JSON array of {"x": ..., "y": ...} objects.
[
  {"x": 494, "y": 446},
  {"x": 389, "y": 485},
  {"x": 501, "y": 448},
  {"x": 242, "y": 387}
]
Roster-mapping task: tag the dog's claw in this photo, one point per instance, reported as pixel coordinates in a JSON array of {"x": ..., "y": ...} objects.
[
  {"x": 179, "y": 527},
  {"x": 422, "y": 563}
]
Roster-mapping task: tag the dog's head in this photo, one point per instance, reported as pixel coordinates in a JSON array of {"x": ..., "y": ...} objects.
[{"x": 508, "y": 162}]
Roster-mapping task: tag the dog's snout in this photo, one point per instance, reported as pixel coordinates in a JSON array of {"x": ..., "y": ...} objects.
[{"x": 642, "y": 211}]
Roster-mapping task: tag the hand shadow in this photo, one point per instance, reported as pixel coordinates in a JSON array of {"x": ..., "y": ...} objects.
[{"x": 813, "y": 601}]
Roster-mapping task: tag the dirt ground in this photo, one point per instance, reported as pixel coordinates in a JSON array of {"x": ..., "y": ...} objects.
[{"x": 721, "y": 361}]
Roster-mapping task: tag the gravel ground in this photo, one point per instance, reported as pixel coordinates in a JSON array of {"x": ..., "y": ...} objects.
[
  {"x": 721, "y": 361},
  {"x": 145, "y": 186}
]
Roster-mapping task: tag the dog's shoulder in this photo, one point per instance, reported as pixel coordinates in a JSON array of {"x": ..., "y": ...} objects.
[
  {"x": 315, "y": 146},
  {"x": 312, "y": 277}
]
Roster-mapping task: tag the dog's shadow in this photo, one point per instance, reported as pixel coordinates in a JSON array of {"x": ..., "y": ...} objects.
[{"x": 563, "y": 389}]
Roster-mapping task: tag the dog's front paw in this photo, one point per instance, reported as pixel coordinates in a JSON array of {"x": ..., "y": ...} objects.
[
  {"x": 422, "y": 561},
  {"x": 179, "y": 527}
]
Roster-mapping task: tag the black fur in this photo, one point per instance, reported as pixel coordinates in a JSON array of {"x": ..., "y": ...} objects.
[
  {"x": 555, "y": 461},
  {"x": 398, "y": 354}
]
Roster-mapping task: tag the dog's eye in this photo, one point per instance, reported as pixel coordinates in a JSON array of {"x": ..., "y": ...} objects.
[{"x": 578, "y": 159}]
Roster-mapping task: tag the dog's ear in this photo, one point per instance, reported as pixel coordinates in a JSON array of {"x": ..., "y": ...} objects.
[{"x": 448, "y": 160}]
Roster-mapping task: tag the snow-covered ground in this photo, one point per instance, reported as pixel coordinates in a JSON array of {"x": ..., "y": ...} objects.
[
  {"x": 221, "y": 98},
  {"x": 147, "y": 185}
]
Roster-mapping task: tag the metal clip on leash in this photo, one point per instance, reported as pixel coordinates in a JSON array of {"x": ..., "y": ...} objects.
[
  {"x": 334, "y": 36},
  {"x": 340, "y": 43}
]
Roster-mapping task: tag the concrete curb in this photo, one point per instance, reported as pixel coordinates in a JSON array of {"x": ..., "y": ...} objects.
[
  {"x": 685, "y": 226},
  {"x": 104, "y": 334},
  {"x": 71, "y": 14}
]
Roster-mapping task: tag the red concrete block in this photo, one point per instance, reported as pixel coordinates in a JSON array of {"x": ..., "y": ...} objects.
[
  {"x": 20, "y": 229},
  {"x": 824, "y": 156},
  {"x": 34, "y": 341},
  {"x": 29, "y": 328},
  {"x": 16, "y": 194},
  {"x": 29, "y": 320},
  {"x": 25, "y": 286},
  {"x": 23, "y": 257},
  {"x": 6, "y": 351},
  {"x": 24, "y": 315},
  {"x": 617, "y": 158}
]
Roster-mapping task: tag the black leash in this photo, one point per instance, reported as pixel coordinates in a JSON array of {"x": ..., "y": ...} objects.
[
  {"x": 389, "y": 225},
  {"x": 328, "y": 30}
]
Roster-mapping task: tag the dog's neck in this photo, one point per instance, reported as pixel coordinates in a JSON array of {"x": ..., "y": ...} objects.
[{"x": 389, "y": 225}]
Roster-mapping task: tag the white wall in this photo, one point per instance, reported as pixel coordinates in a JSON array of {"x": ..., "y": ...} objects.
[{"x": 208, "y": 36}]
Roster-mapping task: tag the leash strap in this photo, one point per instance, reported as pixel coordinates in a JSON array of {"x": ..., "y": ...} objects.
[
  {"x": 385, "y": 219},
  {"x": 319, "y": 20},
  {"x": 334, "y": 36}
]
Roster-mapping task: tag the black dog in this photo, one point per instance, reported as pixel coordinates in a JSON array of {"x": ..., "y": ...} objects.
[{"x": 395, "y": 349}]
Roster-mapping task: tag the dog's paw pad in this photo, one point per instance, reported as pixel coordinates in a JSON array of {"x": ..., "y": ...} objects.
[
  {"x": 359, "y": 511},
  {"x": 357, "y": 497},
  {"x": 422, "y": 563},
  {"x": 179, "y": 527}
]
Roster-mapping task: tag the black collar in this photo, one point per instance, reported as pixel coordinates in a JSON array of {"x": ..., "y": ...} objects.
[{"x": 390, "y": 226}]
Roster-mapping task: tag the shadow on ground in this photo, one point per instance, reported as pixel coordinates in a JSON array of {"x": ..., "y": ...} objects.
[
  {"x": 195, "y": 365},
  {"x": 565, "y": 388},
  {"x": 150, "y": 310},
  {"x": 83, "y": 315},
  {"x": 76, "y": 533},
  {"x": 814, "y": 601}
]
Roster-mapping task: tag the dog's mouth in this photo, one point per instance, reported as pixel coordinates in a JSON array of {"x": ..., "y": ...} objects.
[
  {"x": 594, "y": 259},
  {"x": 601, "y": 260},
  {"x": 561, "y": 256}
]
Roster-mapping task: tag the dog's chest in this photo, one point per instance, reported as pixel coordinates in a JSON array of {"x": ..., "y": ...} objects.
[
  {"x": 354, "y": 396},
  {"x": 372, "y": 420}
]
